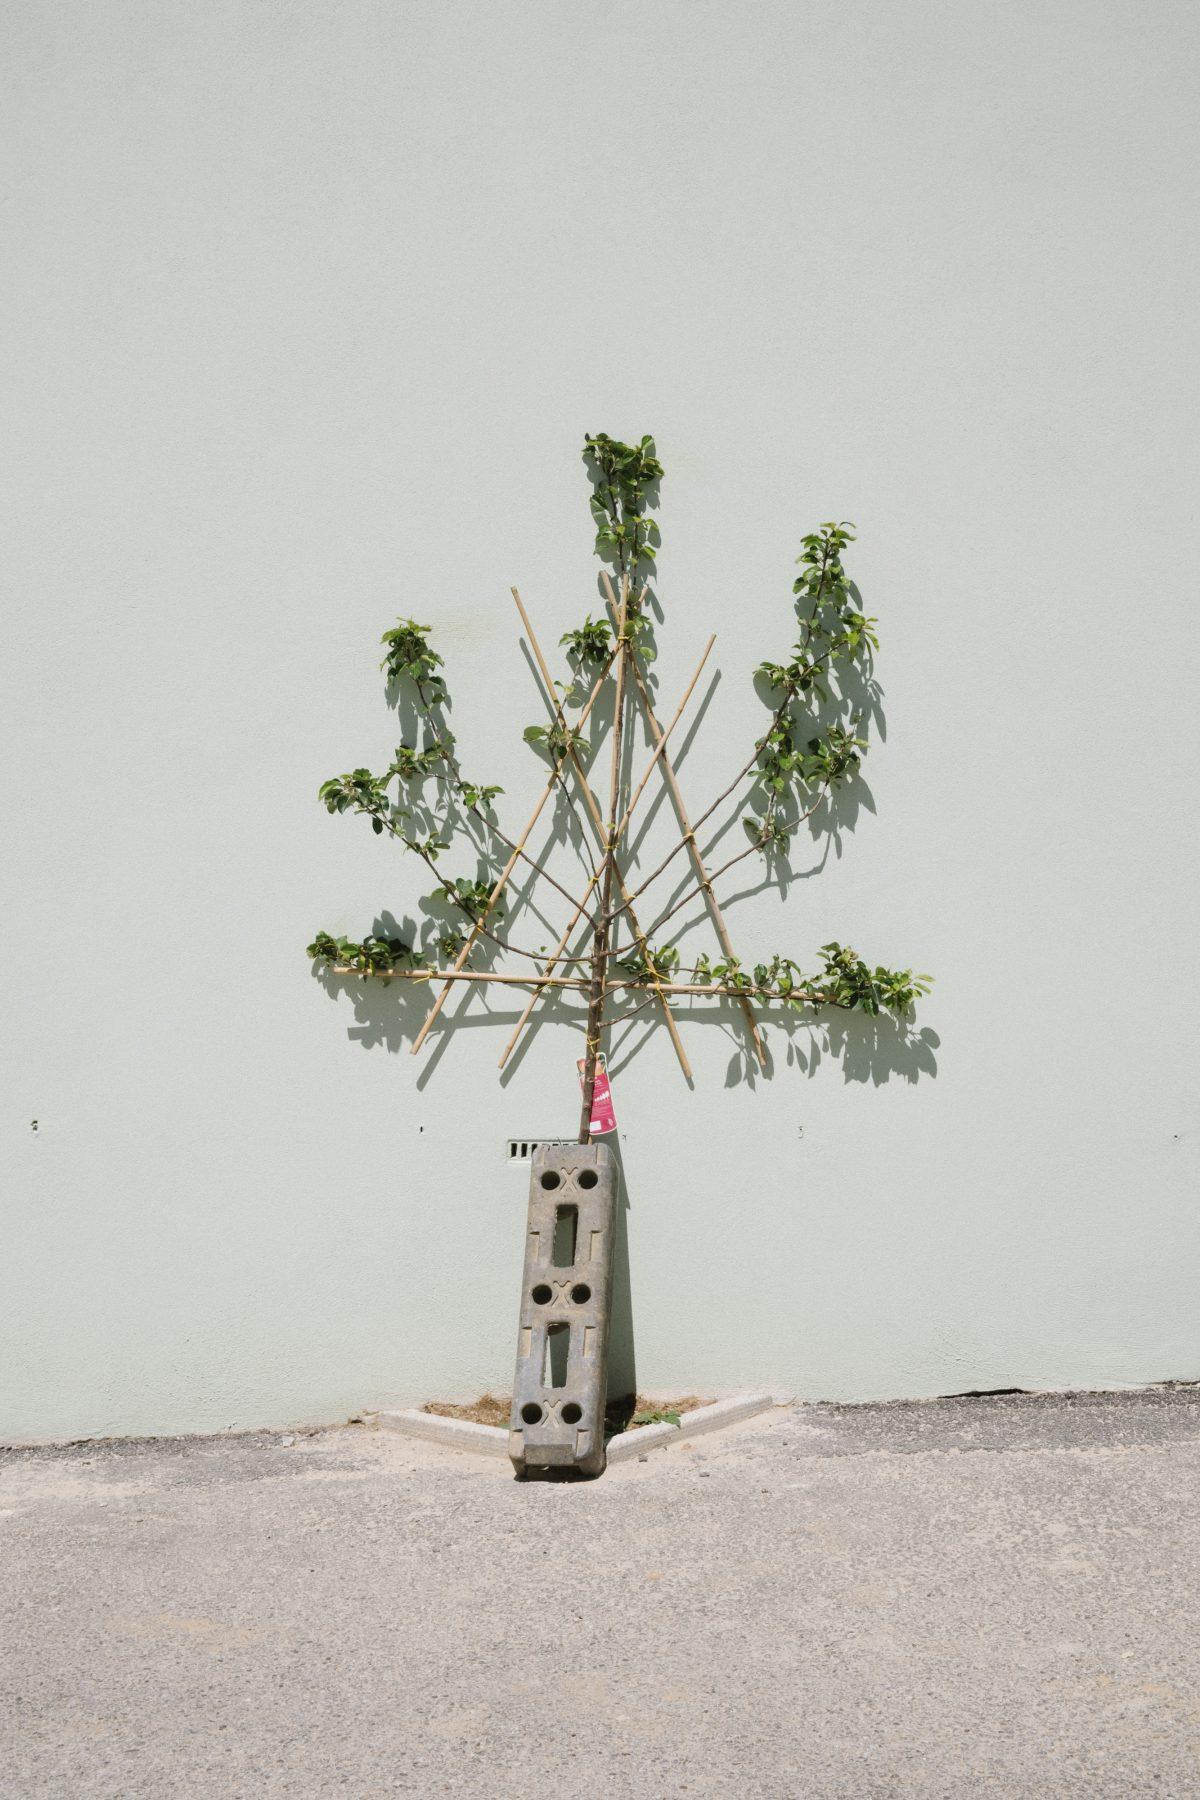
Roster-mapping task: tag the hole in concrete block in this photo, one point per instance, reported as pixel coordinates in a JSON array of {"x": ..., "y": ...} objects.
[
  {"x": 531, "y": 1412},
  {"x": 566, "y": 1221},
  {"x": 571, "y": 1413},
  {"x": 581, "y": 1293},
  {"x": 551, "y": 1178},
  {"x": 542, "y": 1293},
  {"x": 588, "y": 1178},
  {"x": 558, "y": 1345}
]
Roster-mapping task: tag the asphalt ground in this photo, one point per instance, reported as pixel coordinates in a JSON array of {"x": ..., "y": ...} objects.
[{"x": 956, "y": 1597}]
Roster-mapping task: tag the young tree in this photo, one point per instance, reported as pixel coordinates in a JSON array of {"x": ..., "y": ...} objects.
[{"x": 810, "y": 745}]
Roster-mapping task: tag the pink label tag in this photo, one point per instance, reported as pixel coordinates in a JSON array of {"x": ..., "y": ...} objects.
[{"x": 603, "y": 1117}]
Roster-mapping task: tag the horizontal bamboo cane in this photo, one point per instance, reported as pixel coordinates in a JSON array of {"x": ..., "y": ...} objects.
[
  {"x": 705, "y": 990},
  {"x": 538, "y": 981}
]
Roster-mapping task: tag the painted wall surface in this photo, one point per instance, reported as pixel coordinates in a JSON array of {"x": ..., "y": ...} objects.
[{"x": 311, "y": 307}]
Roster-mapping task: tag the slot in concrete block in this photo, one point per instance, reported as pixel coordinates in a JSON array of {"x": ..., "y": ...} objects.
[{"x": 566, "y": 1297}]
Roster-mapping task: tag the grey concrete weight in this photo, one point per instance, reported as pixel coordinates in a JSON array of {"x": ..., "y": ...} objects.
[{"x": 562, "y": 1343}]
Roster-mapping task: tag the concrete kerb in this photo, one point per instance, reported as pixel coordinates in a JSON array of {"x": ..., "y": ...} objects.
[
  {"x": 457, "y": 1434},
  {"x": 492, "y": 1440},
  {"x": 691, "y": 1424}
]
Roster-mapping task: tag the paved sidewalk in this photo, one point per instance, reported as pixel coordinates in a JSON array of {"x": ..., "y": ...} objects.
[{"x": 960, "y": 1597}]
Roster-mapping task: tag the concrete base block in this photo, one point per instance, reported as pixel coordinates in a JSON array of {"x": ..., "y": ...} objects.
[
  {"x": 491, "y": 1440},
  {"x": 562, "y": 1346}
]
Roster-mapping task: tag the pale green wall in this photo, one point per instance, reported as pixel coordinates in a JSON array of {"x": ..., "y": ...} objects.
[{"x": 312, "y": 306}]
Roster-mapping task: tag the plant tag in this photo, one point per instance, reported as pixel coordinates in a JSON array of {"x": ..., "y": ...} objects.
[{"x": 603, "y": 1117}]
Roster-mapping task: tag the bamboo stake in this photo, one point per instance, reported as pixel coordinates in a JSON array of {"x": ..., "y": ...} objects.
[
  {"x": 658, "y": 732},
  {"x": 533, "y": 998},
  {"x": 598, "y": 827},
  {"x": 499, "y": 886},
  {"x": 718, "y": 917},
  {"x": 539, "y": 981},
  {"x": 710, "y": 988},
  {"x": 565, "y": 938},
  {"x": 697, "y": 990}
]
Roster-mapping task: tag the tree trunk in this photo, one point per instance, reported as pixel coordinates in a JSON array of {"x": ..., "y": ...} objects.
[{"x": 597, "y": 996}]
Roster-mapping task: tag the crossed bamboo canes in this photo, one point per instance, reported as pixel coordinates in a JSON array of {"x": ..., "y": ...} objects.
[
  {"x": 500, "y": 884},
  {"x": 607, "y": 874},
  {"x": 606, "y": 865},
  {"x": 689, "y": 835},
  {"x": 553, "y": 960},
  {"x": 660, "y": 738}
]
